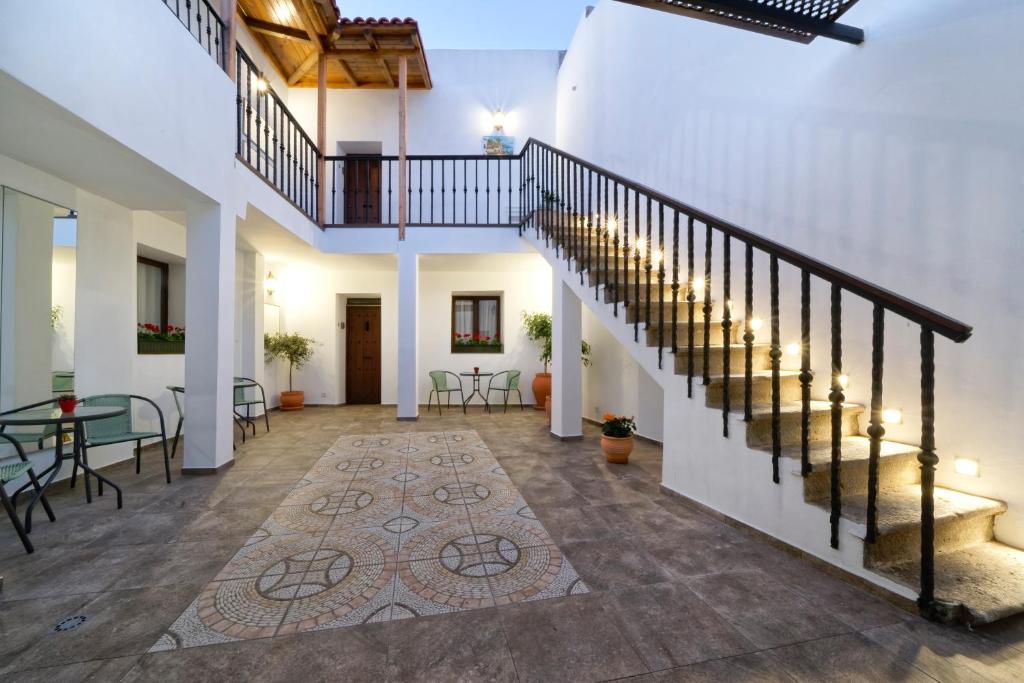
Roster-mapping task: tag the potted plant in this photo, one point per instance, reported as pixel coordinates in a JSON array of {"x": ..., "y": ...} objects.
[
  {"x": 67, "y": 403},
  {"x": 617, "y": 437},
  {"x": 297, "y": 350},
  {"x": 538, "y": 329}
]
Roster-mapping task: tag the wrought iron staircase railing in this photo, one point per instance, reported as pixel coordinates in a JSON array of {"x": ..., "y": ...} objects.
[{"x": 595, "y": 217}]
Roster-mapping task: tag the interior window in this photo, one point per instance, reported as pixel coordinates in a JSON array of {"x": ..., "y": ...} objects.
[{"x": 476, "y": 324}]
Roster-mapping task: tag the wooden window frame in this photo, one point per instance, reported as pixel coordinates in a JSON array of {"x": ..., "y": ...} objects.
[
  {"x": 164, "y": 286},
  {"x": 476, "y": 299}
]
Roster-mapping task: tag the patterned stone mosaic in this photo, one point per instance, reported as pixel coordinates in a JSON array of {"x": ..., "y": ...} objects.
[{"x": 383, "y": 527}]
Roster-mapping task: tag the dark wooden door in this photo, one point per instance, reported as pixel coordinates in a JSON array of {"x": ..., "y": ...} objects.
[
  {"x": 362, "y": 355},
  {"x": 362, "y": 191}
]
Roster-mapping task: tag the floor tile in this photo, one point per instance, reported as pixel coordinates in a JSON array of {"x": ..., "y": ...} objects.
[
  {"x": 573, "y": 639},
  {"x": 850, "y": 657}
]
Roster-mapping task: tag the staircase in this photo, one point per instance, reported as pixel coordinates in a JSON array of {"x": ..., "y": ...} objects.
[{"x": 932, "y": 541}]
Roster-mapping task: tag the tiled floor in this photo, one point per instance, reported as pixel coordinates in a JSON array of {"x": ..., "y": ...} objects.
[
  {"x": 674, "y": 595},
  {"x": 384, "y": 526}
]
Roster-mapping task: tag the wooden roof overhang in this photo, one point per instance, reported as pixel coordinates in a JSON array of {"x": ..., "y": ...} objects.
[{"x": 360, "y": 53}]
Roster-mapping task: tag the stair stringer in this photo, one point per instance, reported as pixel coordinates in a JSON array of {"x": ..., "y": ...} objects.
[{"x": 724, "y": 474}]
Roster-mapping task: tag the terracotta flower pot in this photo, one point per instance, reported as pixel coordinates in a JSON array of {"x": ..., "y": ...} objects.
[
  {"x": 293, "y": 400},
  {"x": 541, "y": 389},
  {"x": 617, "y": 448}
]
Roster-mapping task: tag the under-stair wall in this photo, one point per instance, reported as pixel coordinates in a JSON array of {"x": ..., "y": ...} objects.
[{"x": 898, "y": 160}]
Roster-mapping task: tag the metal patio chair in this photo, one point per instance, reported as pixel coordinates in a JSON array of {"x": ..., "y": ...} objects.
[
  {"x": 241, "y": 400},
  {"x": 442, "y": 385},
  {"x": 179, "y": 402},
  {"x": 12, "y": 471},
  {"x": 121, "y": 429},
  {"x": 506, "y": 382}
]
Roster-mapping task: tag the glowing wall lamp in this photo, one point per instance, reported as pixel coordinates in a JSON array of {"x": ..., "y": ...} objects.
[
  {"x": 966, "y": 467},
  {"x": 498, "y": 119},
  {"x": 270, "y": 283}
]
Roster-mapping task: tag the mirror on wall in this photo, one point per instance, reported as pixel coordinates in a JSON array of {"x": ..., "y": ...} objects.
[{"x": 38, "y": 256}]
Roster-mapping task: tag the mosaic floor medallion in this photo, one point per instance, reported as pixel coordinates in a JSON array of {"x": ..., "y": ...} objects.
[{"x": 383, "y": 527}]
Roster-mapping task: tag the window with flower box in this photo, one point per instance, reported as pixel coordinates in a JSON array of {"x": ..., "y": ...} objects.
[
  {"x": 156, "y": 329},
  {"x": 476, "y": 323}
]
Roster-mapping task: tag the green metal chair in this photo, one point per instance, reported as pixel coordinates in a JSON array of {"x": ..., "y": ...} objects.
[
  {"x": 442, "y": 385},
  {"x": 179, "y": 402},
  {"x": 241, "y": 400},
  {"x": 506, "y": 382},
  {"x": 121, "y": 429},
  {"x": 12, "y": 471},
  {"x": 63, "y": 382}
]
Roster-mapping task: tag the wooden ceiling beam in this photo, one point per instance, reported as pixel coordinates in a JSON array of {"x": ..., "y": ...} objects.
[
  {"x": 347, "y": 71},
  {"x": 302, "y": 9},
  {"x": 276, "y": 30},
  {"x": 382, "y": 63},
  {"x": 303, "y": 68},
  {"x": 375, "y": 50},
  {"x": 351, "y": 53}
]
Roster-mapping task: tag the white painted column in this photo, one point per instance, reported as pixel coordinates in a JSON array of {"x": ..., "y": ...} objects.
[
  {"x": 566, "y": 366},
  {"x": 249, "y": 312},
  {"x": 408, "y": 332},
  {"x": 209, "y": 342}
]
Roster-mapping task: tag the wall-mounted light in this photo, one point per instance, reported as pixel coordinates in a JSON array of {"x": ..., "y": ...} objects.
[
  {"x": 966, "y": 467},
  {"x": 262, "y": 84},
  {"x": 793, "y": 349},
  {"x": 270, "y": 283},
  {"x": 892, "y": 416},
  {"x": 698, "y": 288},
  {"x": 756, "y": 324},
  {"x": 844, "y": 381},
  {"x": 498, "y": 119},
  {"x": 656, "y": 259}
]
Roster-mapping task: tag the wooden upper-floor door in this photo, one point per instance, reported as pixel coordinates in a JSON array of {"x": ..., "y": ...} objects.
[
  {"x": 362, "y": 191},
  {"x": 362, "y": 355}
]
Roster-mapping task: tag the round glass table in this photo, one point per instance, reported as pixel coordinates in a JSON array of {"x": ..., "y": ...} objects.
[{"x": 43, "y": 417}]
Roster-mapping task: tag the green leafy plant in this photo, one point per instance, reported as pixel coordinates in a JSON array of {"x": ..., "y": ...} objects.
[
  {"x": 153, "y": 332},
  {"x": 294, "y": 348},
  {"x": 538, "y": 329},
  {"x": 618, "y": 426}
]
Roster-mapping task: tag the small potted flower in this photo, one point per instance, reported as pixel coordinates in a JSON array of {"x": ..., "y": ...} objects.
[
  {"x": 67, "y": 402},
  {"x": 617, "y": 437}
]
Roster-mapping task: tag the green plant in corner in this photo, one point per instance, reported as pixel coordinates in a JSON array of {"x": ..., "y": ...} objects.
[
  {"x": 294, "y": 348},
  {"x": 538, "y": 329}
]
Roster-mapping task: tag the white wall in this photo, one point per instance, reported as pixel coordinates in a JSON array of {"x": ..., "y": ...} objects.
[
  {"x": 898, "y": 160},
  {"x": 62, "y": 336},
  {"x": 524, "y": 282},
  {"x": 451, "y": 118},
  {"x": 615, "y": 383}
]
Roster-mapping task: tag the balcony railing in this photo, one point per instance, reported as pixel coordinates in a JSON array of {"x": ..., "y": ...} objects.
[
  {"x": 271, "y": 142},
  {"x": 203, "y": 23},
  {"x": 445, "y": 190}
]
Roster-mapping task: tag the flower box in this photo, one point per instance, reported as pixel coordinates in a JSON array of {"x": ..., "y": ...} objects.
[
  {"x": 161, "y": 346},
  {"x": 469, "y": 343}
]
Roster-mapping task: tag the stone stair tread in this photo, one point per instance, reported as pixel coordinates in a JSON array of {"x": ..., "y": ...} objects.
[
  {"x": 732, "y": 347},
  {"x": 986, "y": 580},
  {"x": 789, "y": 407},
  {"x": 756, "y": 376},
  {"x": 900, "y": 508},
  {"x": 855, "y": 448}
]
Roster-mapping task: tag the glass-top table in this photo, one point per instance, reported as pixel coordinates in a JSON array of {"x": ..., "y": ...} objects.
[
  {"x": 43, "y": 417},
  {"x": 476, "y": 388}
]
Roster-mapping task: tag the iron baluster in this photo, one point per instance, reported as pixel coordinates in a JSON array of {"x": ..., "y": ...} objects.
[
  {"x": 675, "y": 284},
  {"x": 928, "y": 460},
  {"x": 806, "y": 376},
  {"x": 875, "y": 429},
  {"x": 248, "y": 113},
  {"x": 726, "y": 331},
  {"x": 775, "y": 354},
  {"x": 613, "y": 221},
  {"x": 748, "y": 337},
  {"x": 661, "y": 283},
  {"x": 647, "y": 268},
  {"x": 636, "y": 266},
  {"x": 707, "y": 304},
  {"x": 837, "y": 398},
  {"x": 691, "y": 299},
  {"x": 625, "y": 256}
]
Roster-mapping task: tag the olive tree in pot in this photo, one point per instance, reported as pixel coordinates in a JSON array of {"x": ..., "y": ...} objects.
[
  {"x": 297, "y": 350},
  {"x": 538, "y": 329}
]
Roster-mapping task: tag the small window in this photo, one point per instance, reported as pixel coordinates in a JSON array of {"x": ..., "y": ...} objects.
[
  {"x": 152, "y": 294},
  {"x": 476, "y": 324}
]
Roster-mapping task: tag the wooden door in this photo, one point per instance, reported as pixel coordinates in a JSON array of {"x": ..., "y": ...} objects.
[
  {"x": 362, "y": 355},
  {"x": 362, "y": 191}
]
